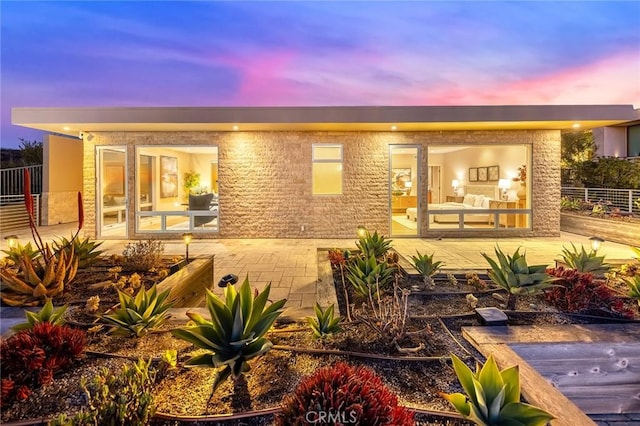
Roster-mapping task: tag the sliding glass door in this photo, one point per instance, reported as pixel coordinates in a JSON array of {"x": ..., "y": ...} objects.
[
  {"x": 112, "y": 198},
  {"x": 404, "y": 190}
]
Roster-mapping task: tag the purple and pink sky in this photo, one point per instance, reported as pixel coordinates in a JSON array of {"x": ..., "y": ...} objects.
[{"x": 237, "y": 53}]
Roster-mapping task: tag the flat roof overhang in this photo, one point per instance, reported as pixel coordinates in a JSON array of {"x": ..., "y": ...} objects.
[{"x": 71, "y": 121}]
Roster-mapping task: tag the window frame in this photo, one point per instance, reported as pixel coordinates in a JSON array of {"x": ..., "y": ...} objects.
[{"x": 339, "y": 161}]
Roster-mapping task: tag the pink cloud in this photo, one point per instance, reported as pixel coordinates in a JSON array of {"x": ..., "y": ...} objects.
[{"x": 614, "y": 80}]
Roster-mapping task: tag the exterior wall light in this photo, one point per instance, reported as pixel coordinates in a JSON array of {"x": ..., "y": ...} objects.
[
  {"x": 596, "y": 242},
  {"x": 187, "y": 237},
  {"x": 12, "y": 241},
  {"x": 362, "y": 231}
]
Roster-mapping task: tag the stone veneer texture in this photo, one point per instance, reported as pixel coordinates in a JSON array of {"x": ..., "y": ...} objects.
[{"x": 265, "y": 179}]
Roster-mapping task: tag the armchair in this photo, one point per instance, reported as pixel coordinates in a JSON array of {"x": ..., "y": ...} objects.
[{"x": 201, "y": 202}]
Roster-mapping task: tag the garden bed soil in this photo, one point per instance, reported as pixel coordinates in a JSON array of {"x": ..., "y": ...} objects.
[{"x": 436, "y": 318}]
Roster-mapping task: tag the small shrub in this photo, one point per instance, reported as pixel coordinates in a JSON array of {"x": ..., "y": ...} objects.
[
  {"x": 579, "y": 292},
  {"x": 474, "y": 281},
  {"x": 17, "y": 252},
  {"x": 143, "y": 255},
  {"x": 582, "y": 261},
  {"x": 136, "y": 316},
  {"x": 125, "y": 399},
  {"x": 373, "y": 245},
  {"x": 512, "y": 273},
  {"x": 235, "y": 334},
  {"x": 46, "y": 314},
  {"x": 493, "y": 396},
  {"x": 570, "y": 204},
  {"x": 86, "y": 250},
  {"x": 350, "y": 395},
  {"x": 37, "y": 279},
  {"x": 367, "y": 275},
  {"x": 324, "y": 324},
  {"x": 30, "y": 358},
  {"x": 426, "y": 266},
  {"x": 634, "y": 288}
]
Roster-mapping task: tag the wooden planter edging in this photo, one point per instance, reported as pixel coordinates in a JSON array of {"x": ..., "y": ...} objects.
[
  {"x": 610, "y": 230},
  {"x": 500, "y": 341},
  {"x": 189, "y": 283}
]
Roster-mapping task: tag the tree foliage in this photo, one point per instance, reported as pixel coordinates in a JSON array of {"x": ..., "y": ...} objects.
[{"x": 581, "y": 167}]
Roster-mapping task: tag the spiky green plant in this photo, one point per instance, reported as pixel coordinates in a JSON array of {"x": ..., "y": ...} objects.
[
  {"x": 325, "y": 323},
  {"x": 236, "y": 332},
  {"x": 634, "y": 287},
  {"x": 493, "y": 396},
  {"x": 364, "y": 273},
  {"x": 583, "y": 261},
  {"x": 86, "y": 250},
  {"x": 426, "y": 266},
  {"x": 514, "y": 275},
  {"x": 16, "y": 253},
  {"x": 373, "y": 245},
  {"x": 46, "y": 314},
  {"x": 136, "y": 316},
  {"x": 636, "y": 251}
]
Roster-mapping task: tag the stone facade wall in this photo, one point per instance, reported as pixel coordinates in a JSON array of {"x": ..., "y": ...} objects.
[
  {"x": 59, "y": 207},
  {"x": 265, "y": 179}
]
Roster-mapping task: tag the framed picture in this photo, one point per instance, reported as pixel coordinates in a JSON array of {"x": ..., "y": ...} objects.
[
  {"x": 400, "y": 178},
  {"x": 482, "y": 174},
  {"x": 168, "y": 177},
  {"x": 494, "y": 173},
  {"x": 473, "y": 174}
]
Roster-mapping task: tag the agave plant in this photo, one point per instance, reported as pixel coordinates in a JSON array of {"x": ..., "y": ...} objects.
[
  {"x": 236, "y": 331},
  {"x": 136, "y": 316},
  {"x": 86, "y": 250},
  {"x": 46, "y": 314},
  {"x": 16, "y": 253},
  {"x": 493, "y": 396},
  {"x": 514, "y": 275},
  {"x": 325, "y": 323},
  {"x": 426, "y": 266},
  {"x": 582, "y": 261},
  {"x": 634, "y": 287},
  {"x": 367, "y": 275},
  {"x": 37, "y": 279},
  {"x": 373, "y": 245}
]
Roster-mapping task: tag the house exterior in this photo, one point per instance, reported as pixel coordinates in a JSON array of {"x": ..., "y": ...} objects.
[
  {"x": 622, "y": 140},
  {"x": 320, "y": 172}
]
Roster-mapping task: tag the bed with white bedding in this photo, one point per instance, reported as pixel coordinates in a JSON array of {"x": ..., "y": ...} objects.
[{"x": 479, "y": 200}]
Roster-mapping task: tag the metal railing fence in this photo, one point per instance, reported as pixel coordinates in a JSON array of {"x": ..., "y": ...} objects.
[
  {"x": 624, "y": 199},
  {"x": 13, "y": 213},
  {"x": 12, "y": 180}
]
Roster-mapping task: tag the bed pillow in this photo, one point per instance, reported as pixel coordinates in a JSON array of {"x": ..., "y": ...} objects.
[
  {"x": 486, "y": 203},
  {"x": 478, "y": 201},
  {"x": 469, "y": 199}
]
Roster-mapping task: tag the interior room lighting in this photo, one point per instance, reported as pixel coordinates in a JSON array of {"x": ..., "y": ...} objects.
[
  {"x": 504, "y": 185},
  {"x": 455, "y": 184}
]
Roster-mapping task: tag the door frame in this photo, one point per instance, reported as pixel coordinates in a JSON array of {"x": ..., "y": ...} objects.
[
  {"x": 100, "y": 229},
  {"x": 416, "y": 188}
]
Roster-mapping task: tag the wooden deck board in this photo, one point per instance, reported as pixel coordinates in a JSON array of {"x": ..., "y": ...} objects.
[{"x": 592, "y": 369}]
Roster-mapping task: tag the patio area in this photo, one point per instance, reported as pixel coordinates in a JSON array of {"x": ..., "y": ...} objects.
[{"x": 291, "y": 265}]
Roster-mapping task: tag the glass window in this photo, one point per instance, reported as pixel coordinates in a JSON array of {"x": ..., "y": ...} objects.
[
  {"x": 633, "y": 141},
  {"x": 327, "y": 169},
  {"x": 177, "y": 188},
  {"x": 479, "y": 186}
]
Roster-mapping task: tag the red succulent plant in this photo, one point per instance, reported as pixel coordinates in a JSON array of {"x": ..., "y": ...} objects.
[{"x": 343, "y": 394}]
